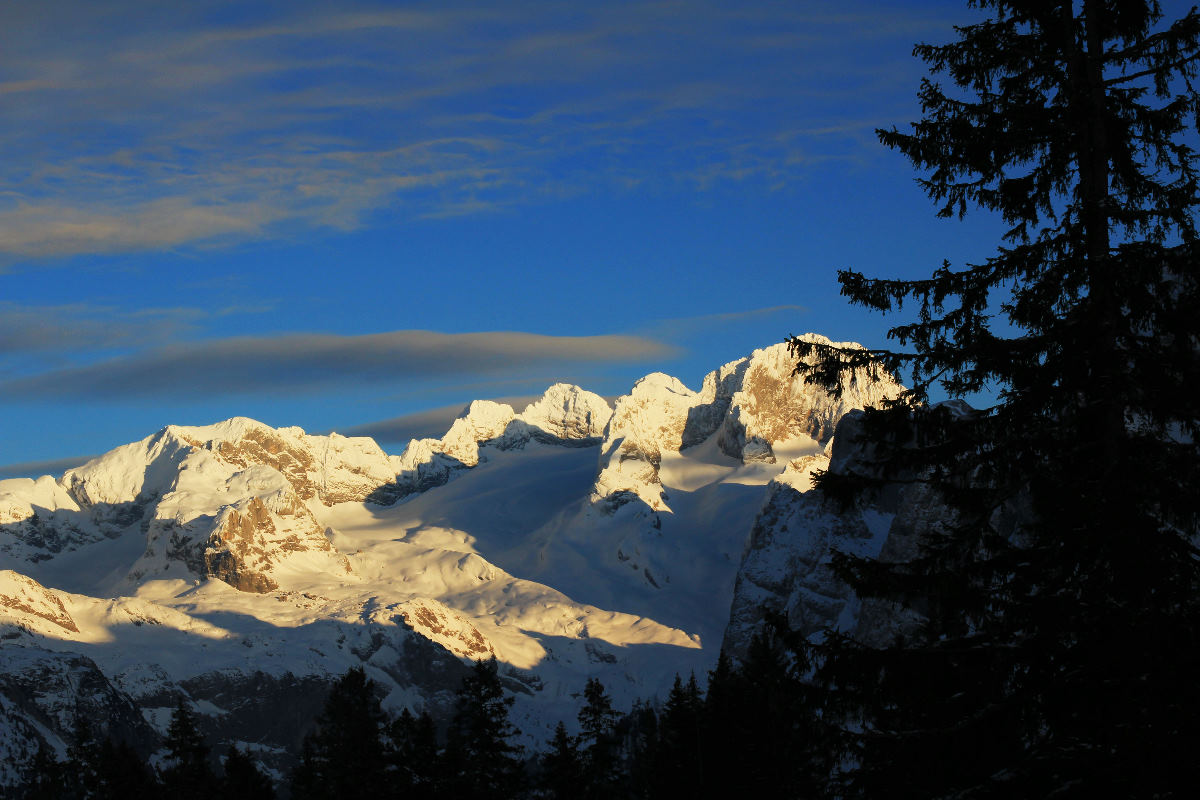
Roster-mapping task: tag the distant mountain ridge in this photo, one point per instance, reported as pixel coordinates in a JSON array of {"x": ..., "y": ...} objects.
[{"x": 235, "y": 564}]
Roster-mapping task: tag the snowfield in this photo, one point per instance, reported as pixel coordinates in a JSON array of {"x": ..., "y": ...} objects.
[{"x": 233, "y": 563}]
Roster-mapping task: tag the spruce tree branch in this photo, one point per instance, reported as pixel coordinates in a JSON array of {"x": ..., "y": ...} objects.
[
  {"x": 1182, "y": 30},
  {"x": 1171, "y": 67}
]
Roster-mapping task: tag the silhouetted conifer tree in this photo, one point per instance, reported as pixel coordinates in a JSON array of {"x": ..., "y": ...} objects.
[
  {"x": 678, "y": 761},
  {"x": 732, "y": 729},
  {"x": 562, "y": 771},
  {"x": 784, "y": 750},
  {"x": 1061, "y": 602},
  {"x": 416, "y": 769},
  {"x": 241, "y": 778},
  {"x": 729, "y": 730},
  {"x": 598, "y": 742},
  {"x": 95, "y": 770},
  {"x": 345, "y": 756},
  {"x": 305, "y": 782},
  {"x": 481, "y": 760},
  {"x": 123, "y": 774},
  {"x": 186, "y": 773},
  {"x": 639, "y": 743},
  {"x": 762, "y": 735}
]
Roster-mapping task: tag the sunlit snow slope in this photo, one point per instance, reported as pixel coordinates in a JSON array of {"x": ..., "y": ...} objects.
[{"x": 238, "y": 566}]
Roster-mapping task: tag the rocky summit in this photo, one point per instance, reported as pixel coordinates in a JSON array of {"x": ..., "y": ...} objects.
[{"x": 240, "y": 567}]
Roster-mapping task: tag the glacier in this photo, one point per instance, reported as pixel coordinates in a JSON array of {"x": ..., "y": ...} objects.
[{"x": 241, "y": 567}]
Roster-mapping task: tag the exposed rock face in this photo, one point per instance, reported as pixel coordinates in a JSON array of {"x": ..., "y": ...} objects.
[
  {"x": 334, "y": 469},
  {"x": 648, "y": 420},
  {"x": 750, "y": 408},
  {"x": 482, "y": 421},
  {"x": 261, "y": 519},
  {"x": 771, "y": 404},
  {"x": 785, "y": 567},
  {"x": 167, "y": 487},
  {"x": 41, "y": 519},
  {"x": 716, "y": 396},
  {"x": 564, "y": 415},
  {"x": 422, "y": 466},
  {"x": 41, "y": 691},
  {"x": 557, "y": 570},
  {"x": 249, "y": 538},
  {"x": 568, "y": 413},
  {"x": 447, "y": 627},
  {"x": 259, "y": 445},
  {"x": 22, "y": 596},
  {"x": 753, "y": 404}
]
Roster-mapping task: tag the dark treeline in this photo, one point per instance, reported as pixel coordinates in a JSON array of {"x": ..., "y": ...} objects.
[
  {"x": 103, "y": 769},
  {"x": 750, "y": 731}
]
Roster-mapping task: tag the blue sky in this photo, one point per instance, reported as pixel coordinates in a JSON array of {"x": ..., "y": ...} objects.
[{"x": 335, "y": 215}]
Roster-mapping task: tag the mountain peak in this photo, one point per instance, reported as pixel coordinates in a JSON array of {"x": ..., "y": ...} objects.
[
  {"x": 752, "y": 404},
  {"x": 481, "y": 421},
  {"x": 263, "y": 560},
  {"x": 658, "y": 382},
  {"x": 568, "y": 412}
]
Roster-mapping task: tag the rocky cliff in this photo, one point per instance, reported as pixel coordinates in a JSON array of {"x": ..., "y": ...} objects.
[
  {"x": 239, "y": 567},
  {"x": 786, "y": 564}
]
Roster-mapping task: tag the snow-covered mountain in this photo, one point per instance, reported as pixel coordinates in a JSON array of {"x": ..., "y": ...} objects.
[{"x": 241, "y": 566}]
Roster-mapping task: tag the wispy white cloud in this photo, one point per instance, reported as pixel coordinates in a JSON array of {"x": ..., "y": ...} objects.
[
  {"x": 138, "y": 130},
  {"x": 49, "y": 230},
  {"x": 333, "y": 189},
  {"x": 320, "y": 25}
]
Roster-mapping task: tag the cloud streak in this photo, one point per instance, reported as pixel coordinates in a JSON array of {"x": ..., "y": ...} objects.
[
  {"x": 140, "y": 131},
  {"x": 285, "y": 364},
  {"x": 61, "y": 332},
  {"x": 48, "y": 230},
  {"x": 36, "y": 469}
]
